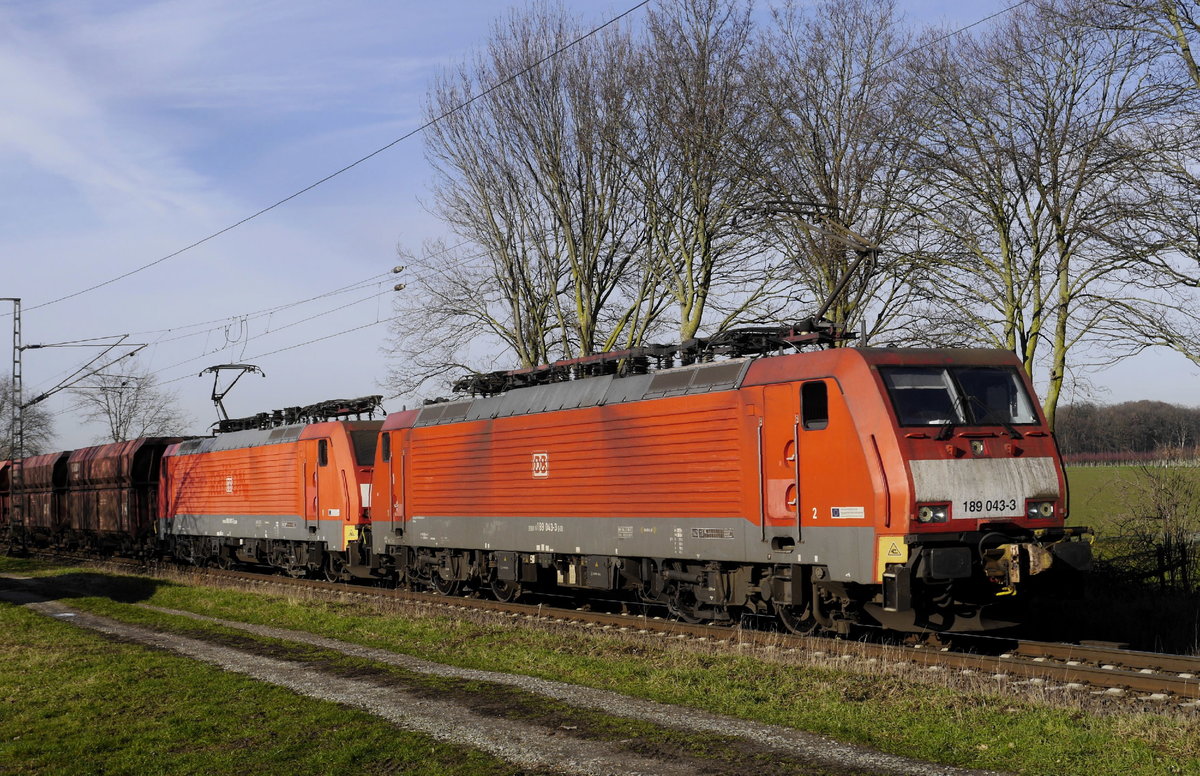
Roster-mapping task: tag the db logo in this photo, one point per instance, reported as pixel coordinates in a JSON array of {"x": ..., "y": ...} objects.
[{"x": 541, "y": 464}]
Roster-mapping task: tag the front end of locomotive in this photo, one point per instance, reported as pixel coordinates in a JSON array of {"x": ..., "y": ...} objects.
[{"x": 987, "y": 498}]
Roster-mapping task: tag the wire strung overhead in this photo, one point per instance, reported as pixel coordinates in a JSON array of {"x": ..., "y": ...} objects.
[{"x": 464, "y": 104}]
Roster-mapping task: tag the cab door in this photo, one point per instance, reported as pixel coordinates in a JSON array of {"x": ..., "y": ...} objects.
[
  {"x": 310, "y": 482},
  {"x": 324, "y": 485},
  {"x": 395, "y": 443},
  {"x": 780, "y": 440}
]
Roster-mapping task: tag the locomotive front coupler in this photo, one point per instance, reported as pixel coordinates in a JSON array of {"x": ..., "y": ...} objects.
[{"x": 1006, "y": 556}]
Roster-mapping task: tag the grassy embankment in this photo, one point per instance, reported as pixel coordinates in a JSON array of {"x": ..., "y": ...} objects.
[
  {"x": 74, "y": 702},
  {"x": 154, "y": 706},
  {"x": 1102, "y": 495},
  {"x": 1125, "y": 600}
]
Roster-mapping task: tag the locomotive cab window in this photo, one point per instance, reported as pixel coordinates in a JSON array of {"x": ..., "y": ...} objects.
[
  {"x": 364, "y": 447},
  {"x": 936, "y": 396},
  {"x": 322, "y": 452},
  {"x": 385, "y": 442},
  {"x": 814, "y": 405}
]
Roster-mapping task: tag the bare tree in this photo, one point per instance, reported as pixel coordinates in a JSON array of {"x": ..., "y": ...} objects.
[
  {"x": 1159, "y": 517},
  {"x": 838, "y": 175},
  {"x": 38, "y": 425},
  {"x": 1042, "y": 126},
  {"x": 533, "y": 174},
  {"x": 1176, "y": 21},
  {"x": 697, "y": 131},
  {"x": 126, "y": 398},
  {"x": 462, "y": 311}
]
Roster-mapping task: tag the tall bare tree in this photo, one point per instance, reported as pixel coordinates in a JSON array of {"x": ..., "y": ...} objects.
[
  {"x": 1042, "y": 125},
  {"x": 838, "y": 175},
  {"x": 697, "y": 130},
  {"x": 127, "y": 400},
  {"x": 1176, "y": 21},
  {"x": 38, "y": 425},
  {"x": 533, "y": 173}
]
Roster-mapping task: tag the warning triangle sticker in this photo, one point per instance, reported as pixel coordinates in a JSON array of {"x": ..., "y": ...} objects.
[{"x": 894, "y": 550}]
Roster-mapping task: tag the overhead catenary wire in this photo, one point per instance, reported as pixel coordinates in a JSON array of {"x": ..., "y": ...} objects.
[
  {"x": 72, "y": 408},
  {"x": 418, "y": 130},
  {"x": 217, "y": 324}
]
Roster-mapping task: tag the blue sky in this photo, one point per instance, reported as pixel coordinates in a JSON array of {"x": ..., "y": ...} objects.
[{"x": 132, "y": 129}]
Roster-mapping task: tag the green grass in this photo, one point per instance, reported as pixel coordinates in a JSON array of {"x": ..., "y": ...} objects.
[
  {"x": 919, "y": 720},
  {"x": 636, "y": 736},
  {"x": 73, "y": 702},
  {"x": 1100, "y": 495}
]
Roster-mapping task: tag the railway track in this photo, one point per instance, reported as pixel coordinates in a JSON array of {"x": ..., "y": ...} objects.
[{"x": 1098, "y": 668}]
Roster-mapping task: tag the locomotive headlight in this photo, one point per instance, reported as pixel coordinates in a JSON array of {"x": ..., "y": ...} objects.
[
  {"x": 932, "y": 513},
  {"x": 1040, "y": 510}
]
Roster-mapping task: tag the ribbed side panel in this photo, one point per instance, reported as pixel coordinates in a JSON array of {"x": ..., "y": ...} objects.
[
  {"x": 668, "y": 458},
  {"x": 252, "y": 481}
]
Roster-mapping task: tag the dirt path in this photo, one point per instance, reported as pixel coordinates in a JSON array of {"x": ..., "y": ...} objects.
[{"x": 464, "y": 718}]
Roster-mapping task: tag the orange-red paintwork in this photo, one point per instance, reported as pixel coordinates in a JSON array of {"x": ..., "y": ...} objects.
[
  {"x": 283, "y": 479},
  {"x": 700, "y": 456}
]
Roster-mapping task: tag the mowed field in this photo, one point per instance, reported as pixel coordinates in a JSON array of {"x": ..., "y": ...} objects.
[{"x": 1102, "y": 496}]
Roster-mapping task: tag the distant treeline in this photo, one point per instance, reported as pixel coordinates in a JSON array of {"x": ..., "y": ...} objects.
[{"x": 1133, "y": 431}]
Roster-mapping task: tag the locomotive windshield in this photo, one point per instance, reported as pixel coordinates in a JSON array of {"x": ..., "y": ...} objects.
[{"x": 977, "y": 396}]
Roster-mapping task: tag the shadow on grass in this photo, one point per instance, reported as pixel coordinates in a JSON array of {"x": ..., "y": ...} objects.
[
  {"x": 1138, "y": 614},
  {"x": 82, "y": 584}
]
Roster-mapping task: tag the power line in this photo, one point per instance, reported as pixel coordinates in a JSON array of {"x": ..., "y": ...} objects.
[
  {"x": 350, "y": 166},
  {"x": 78, "y": 406},
  {"x": 224, "y": 322},
  {"x": 952, "y": 34},
  {"x": 428, "y": 124}
]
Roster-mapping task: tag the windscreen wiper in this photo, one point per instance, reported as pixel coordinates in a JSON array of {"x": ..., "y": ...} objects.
[{"x": 987, "y": 415}]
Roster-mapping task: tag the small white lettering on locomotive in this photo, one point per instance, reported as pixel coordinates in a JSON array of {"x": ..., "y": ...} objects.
[
  {"x": 546, "y": 527},
  {"x": 541, "y": 464},
  {"x": 712, "y": 533}
]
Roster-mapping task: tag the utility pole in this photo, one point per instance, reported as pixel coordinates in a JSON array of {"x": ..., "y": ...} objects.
[{"x": 16, "y": 437}]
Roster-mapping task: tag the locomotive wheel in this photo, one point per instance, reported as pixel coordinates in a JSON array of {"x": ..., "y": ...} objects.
[
  {"x": 797, "y": 620},
  {"x": 505, "y": 590},
  {"x": 335, "y": 569},
  {"x": 443, "y": 586}
]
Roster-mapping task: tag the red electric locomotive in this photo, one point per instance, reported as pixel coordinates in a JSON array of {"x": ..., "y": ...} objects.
[
  {"x": 293, "y": 496},
  {"x": 917, "y": 489}
]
